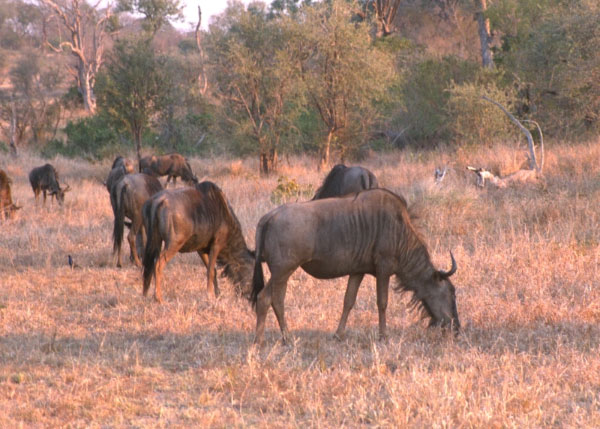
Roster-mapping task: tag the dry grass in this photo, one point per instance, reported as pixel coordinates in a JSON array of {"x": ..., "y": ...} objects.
[{"x": 83, "y": 348}]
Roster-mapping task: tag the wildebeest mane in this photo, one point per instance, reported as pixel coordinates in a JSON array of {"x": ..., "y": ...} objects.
[{"x": 417, "y": 261}]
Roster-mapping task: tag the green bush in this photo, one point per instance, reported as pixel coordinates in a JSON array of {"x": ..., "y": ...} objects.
[
  {"x": 473, "y": 120},
  {"x": 442, "y": 99},
  {"x": 289, "y": 190},
  {"x": 91, "y": 138},
  {"x": 425, "y": 95}
]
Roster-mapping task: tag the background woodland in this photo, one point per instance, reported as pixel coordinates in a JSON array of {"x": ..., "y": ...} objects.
[{"x": 333, "y": 79}]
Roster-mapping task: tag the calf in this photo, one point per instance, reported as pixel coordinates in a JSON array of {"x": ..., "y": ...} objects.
[{"x": 45, "y": 179}]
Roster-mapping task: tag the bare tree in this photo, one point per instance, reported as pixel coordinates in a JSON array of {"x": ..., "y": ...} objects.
[
  {"x": 202, "y": 79},
  {"x": 87, "y": 27},
  {"x": 385, "y": 12}
]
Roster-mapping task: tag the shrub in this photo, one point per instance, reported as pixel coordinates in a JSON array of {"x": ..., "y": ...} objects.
[
  {"x": 91, "y": 138},
  {"x": 289, "y": 190},
  {"x": 473, "y": 120},
  {"x": 425, "y": 95}
]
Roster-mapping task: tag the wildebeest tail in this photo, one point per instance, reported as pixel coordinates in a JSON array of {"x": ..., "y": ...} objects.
[
  {"x": 117, "y": 195},
  {"x": 153, "y": 243},
  {"x": 258, "y": 278}
]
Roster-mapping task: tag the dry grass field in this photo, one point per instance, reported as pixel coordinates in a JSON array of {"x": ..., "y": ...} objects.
[{"x": 82, "y": 347}]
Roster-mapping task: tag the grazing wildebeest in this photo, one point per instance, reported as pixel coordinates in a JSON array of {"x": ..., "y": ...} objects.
[
  {"x": 172, "y": 165},
  {"x": 7, "y": 207},
  {"x": 192, "y": 219},
  {"x": 121, "y": 166},
  {"x": 45, "y": 178},
  {"x": 365, "y": 233},
  {"x": 127, "y": 197},
  {"x": 343, "y": 180}
]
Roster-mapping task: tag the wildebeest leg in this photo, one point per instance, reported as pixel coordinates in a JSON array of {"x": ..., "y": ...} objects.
[
  {"x": 204, "y": 258},
  {"x": 165, "y": 256},
  {"x": 383, "y": 282},
  {"x": 140, "y": 240},
  {"x": 272, "y": 295},
  {"x": 349, "y": 300},
  {"x": 44, "y": 194},
  {"x": 136, "y": 225},
  {"x": 217, "y": 245}
]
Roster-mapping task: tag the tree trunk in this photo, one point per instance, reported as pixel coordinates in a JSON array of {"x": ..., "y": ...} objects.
[
  {"x": 485, "y": 37},
  {"x": 85, "y": 88},
  {"x": 137, "y": 136},
  {"x": 268, "y": 162},
  {"x": 202, "y": 78},
  {"x": 13, "y": 129},
  {"x": 325, "y": 150}
]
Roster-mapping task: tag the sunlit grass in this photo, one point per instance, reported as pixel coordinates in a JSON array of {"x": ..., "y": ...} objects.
[{"x": 81, "y": 347}]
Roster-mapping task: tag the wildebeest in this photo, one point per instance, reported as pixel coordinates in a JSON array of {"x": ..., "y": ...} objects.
[
  {"x": 172, "y": 165},
  {"x": 127, "y": 197},
  {"x": 197, "y": 219},
  {"x": 7, "y": 207},
  {"x": 365, "y": 233},
  {"x": 343, "y": 180},
  {"x": 121, "y": 166},
  {"x": 45, "y": 178}
]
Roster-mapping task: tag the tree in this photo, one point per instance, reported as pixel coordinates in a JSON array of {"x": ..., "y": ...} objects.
[
  {"x": 156, "y": 12},
  {"x": 87, "y": 28},
  {"x": 550, "y": 49},
  {"x": 343, "y": 72},
  {"x": 134, "y": 87},
  {"x": 385, "y": 13},
  {"x": 256, "y": 80},
  {"x": 29, "y": 106}
]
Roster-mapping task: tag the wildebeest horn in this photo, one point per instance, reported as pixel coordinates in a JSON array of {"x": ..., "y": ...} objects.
[{"x": 446, "y": 274}]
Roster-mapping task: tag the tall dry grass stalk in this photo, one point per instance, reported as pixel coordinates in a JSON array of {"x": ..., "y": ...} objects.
[{"x": 82, "y": 348}]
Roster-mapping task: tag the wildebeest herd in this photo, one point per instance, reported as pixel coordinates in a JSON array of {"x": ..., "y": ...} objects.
[{"x": 351, "y": 227}]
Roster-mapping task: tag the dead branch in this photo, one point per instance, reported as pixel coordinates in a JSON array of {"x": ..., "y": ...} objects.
[{"x": 533, "y": 162}]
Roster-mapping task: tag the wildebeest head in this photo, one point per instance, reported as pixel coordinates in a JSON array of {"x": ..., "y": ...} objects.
[
  {"x": 437, "y": 297},
  {"x": 59, "y": 193},
  {"x": 126, "y": 163}
]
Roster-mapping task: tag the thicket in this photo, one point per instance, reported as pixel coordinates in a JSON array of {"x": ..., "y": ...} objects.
[{"x": 308, "y": 77}]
